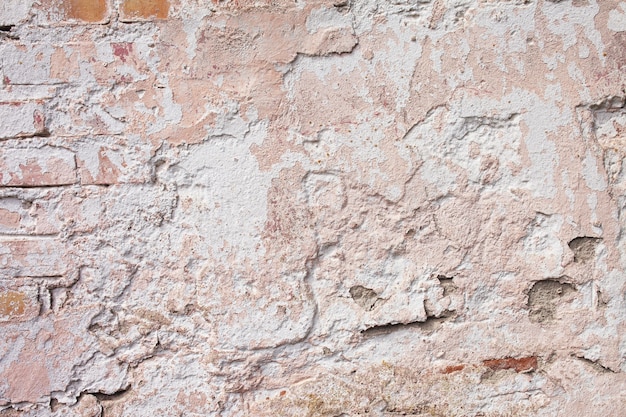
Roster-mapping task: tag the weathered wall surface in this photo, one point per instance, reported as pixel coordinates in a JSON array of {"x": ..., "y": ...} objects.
[{"x": 312, "y": 208}]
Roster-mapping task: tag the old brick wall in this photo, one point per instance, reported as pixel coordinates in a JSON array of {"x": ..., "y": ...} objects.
[{"x": 312, "y": 208}]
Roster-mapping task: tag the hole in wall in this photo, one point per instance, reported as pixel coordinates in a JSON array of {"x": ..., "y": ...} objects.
[
  {"x": 364, "y": 297},
  {"x": 584, "y": 248},
  {"x": 545, "y": 296}
]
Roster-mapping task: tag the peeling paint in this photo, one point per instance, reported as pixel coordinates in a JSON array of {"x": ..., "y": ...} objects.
[{"x": 312, "y": 208}]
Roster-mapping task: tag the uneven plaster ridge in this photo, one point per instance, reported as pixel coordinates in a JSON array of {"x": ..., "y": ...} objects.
[{"x": 312, "y": 208}]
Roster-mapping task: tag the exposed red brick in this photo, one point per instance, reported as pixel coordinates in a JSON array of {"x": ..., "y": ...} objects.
[
  {"x": 518, "y": 364},
  {"x": 37, "y": 167},
  {"x": 144, "y": 9},
  {"x": 109, "y": 163},
  {"x": 122, "y": 50},
  {"x": 86, "y": 10},
  {"x": 108, "y": 172},
  {"x": 27, "y": 378},
  {"x": 40, "y": 215},
  {"x": 9, "y": 219},
  {"x": 21, "y": 119},
  {"x": 32, "y": 376},
  {"x": 33, "y": 257},
  {"x": 452, "y": 368}
]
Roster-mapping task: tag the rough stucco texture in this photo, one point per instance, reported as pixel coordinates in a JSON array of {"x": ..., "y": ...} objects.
[{"x": 312, "y": 208}]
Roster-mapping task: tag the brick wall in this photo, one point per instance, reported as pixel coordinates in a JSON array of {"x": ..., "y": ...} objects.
[{"x": 312, "y": 208}]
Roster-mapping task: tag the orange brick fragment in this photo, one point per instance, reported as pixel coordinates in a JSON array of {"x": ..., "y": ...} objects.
[
  {"x": 86, "y": 10},
  {"x": 452, "y": 368},
  {"x": 12, "y": 303},
  {"x": 144, "y": 9},
  {"x": 18, "y": 304},
  {"x": 519, "y": 365}
]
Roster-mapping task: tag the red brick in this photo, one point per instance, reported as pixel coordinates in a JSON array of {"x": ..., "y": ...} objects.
[
  {"x": 31, "y": 257},
  {"x": 72, "y": 11},
  {"x": 86, "y": 10},
  {"x": 33, "y": 215},
  {"x": 518, "y": 364},
  {"x": 37, "y": 167},
  {"x": 113, "y": 163},
  {"x": 21, "y": 119},
  {"x": 36, "y": 213},
  {"x": 133, "y": 10},
  {"x": 105, "y": 171},
  {"x": 9, "y": 219},
  {"x": 452, "y": 368}
]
